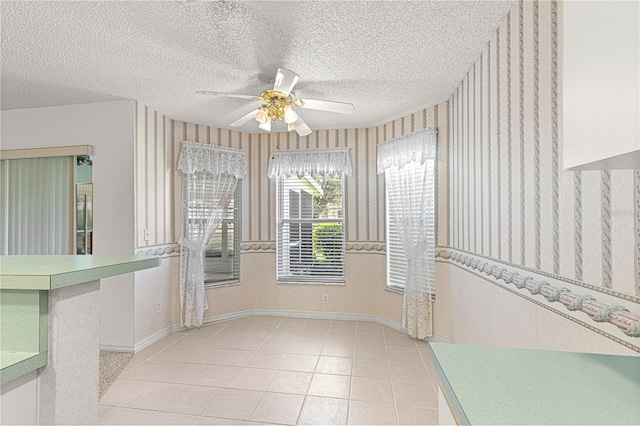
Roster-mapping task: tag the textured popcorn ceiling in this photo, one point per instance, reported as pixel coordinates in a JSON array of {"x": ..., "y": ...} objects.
[{"x": 387, "y": 58}]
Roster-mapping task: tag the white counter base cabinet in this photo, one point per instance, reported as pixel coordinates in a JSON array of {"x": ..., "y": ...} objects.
[
  {"x": 445, "y": 416},
  {"x": 600, "y": 123},
  {"x": 18, "y": 401}
]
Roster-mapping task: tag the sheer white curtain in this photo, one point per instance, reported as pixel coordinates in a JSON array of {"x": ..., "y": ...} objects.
[
  {"x": 210, "y": 176},
  {"x": 414, "y": 216}
]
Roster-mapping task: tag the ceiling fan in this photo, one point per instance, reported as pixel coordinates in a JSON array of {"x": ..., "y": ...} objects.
[{"x": 278, "y": 103}]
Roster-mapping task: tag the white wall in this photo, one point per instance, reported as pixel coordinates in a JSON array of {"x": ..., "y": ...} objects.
[
  {"x": 109, "y": 127},
  {"x": 156, "y": 285},
  {"x": 602, "y": 88}
]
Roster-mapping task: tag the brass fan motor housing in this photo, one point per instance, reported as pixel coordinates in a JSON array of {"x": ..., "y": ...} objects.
[{"x": 275, "y": 102}]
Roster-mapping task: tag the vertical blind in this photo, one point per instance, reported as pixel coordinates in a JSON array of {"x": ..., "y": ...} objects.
[
  {"x": 310, "y": 235},
  {"x": 36, "y": 196}
]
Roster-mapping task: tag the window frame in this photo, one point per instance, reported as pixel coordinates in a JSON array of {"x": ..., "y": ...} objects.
[
  {"x": 281, "y": 222},
  {"x": 237, "y": 241}
]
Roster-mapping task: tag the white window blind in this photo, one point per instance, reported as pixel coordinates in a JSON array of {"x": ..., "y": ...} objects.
[
  {"x": 310, "y": 236},
  {"x": 222, "y": 253},
  {"x": 396, "y": 259}
]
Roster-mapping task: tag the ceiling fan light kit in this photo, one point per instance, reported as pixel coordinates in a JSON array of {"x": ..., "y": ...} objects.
[
  {"x": 277, "y": 106},
  {"x": 278, "y": 103}
]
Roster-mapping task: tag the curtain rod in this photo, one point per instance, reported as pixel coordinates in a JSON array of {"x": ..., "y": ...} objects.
[
  {"x": 320, "y": 150},
  {"x": 417, "y": 132},
  {"x": 211, "y": 147}
]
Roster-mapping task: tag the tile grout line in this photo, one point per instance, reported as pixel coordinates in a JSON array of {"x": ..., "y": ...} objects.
[{"x": 299, "y": 333}]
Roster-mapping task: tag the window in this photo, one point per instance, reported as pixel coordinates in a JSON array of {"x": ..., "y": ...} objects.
[
  {"x": 222, "y": 253},
  {"x": 310, "y": 220},
  {"x": 396, "y": 259}
]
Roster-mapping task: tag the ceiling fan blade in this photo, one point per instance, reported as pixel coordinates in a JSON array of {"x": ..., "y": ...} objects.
[
  {"x": 228, "y": 95},
  {"x": 285, "y": 80},
  {"x": 331, "y": 106},
  {"x": 300, "y": 127},
  {"x": 244, "y": 119}
]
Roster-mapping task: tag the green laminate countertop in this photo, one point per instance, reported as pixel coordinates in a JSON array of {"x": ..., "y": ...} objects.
[
  {"x": 497, "y": 386},
  {"x": 16, "y": 364},
  {"x": 51, "y": 272},
  {"x": 25, "y": 282}
]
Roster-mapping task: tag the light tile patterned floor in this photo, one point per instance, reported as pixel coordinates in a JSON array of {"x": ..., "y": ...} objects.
[{"x": 272, "y": 370}]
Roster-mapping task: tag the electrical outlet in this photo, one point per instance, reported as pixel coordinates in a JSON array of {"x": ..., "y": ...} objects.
[
  {"x": 325, "y": 298},
  {"x": 158, "y": 308},
  {"x": 146, "y": 234}
]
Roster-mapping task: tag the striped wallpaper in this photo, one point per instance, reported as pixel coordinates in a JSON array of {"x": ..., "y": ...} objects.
[
  {"x": 501, "y": 190},
  {"x": 155, "y": 181},
  {"x": 509, "y": 197},
  {"x": 158, "y": 185}
]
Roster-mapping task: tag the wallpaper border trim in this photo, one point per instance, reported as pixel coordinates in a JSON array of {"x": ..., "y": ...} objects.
[
  {"x": 258, "y": 246},
  {"x": 551, "y": 309},
  {"x": 159, "y": 250},
  {"x": 598, "y": 311},
  {"x": 350, "y": 246},
  {"x": 261, "y": 247},
  {"x": 609, "y": 292}
]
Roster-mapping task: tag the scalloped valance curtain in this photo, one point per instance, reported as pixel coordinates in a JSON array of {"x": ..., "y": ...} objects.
[
  {"x": 408, "y": 167},
  {"x": 197, "y": 157},
  {"x": 417, "y": 147},
  {"x": 300, "y": 162},
  {"x": 209, "y": 179}
]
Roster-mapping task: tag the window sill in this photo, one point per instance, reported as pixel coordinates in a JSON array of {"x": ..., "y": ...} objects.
[
  {"x": 394, "y": 289},
  {"x": 216, "y": 284},
  {"x": 311, "y": 283},
  {"x": 400, "y": 290}
]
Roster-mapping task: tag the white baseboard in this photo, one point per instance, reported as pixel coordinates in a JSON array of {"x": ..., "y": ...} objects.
[
  {"x": 150, "y": 340},
  {"x": 338, "y": 316},
  {"x": 389, "y": 323},
  {"x": 117, "y": 348},
  {"x": 437, "y": 339},
  {"x": 227, "y": 317}
]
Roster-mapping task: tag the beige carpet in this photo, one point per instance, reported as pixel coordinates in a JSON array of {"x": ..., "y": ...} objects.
[{"x": 111, "y": 365}]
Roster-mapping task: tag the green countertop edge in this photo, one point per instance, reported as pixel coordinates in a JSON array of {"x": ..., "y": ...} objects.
[
  {"x": 93, "y": 274},
  {"x": 52, "y": 282},
  {"x": 452, "y": 399},
  {"x": 35, "y": 283},
  {"x": 21, "y": 368}
]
